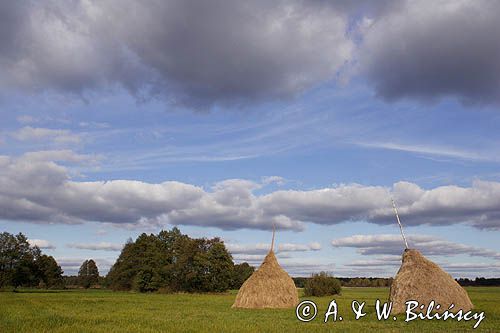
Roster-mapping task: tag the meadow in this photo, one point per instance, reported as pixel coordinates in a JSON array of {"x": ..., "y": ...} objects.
[{"x": 107, "y": 311}]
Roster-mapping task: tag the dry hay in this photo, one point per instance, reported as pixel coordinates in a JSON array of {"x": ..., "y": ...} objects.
[
  {"x": 421, "y": 280},
  {"x": 268, "y": 287}
]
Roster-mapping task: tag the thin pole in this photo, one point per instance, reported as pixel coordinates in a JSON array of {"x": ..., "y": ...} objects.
[
  {"x": 272, "y": 242},
  {"x": 399, "y": 222}
]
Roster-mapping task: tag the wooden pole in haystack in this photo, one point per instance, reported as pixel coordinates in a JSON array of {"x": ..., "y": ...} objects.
[
  {"x": 272, "y": 242},
  {"x": 399, "y": 222}
]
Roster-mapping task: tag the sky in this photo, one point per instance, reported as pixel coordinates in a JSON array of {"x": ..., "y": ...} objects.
[{"x": 226, "y": 118}]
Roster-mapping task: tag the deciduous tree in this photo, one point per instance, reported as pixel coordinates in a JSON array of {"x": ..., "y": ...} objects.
[{"x": 88, "y": 274}]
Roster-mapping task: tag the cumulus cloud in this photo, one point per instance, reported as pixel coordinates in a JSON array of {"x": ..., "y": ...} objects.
[
  {"x": 33, "y": 188},
  {"x": 102, "y": 246},
  {"x": 60, "y": 136},
  {"x": 393, "y": 245},
  {"x": 37, "y": 190},
  {"x": 426, "y": 50},
  {"x": 383, "y": 255},
  {"x": 244, "y": 52},
  {"x": 229, "y": 51},
  {"x": 42, "y": 244},
  {"x": 274, "y": 180}
]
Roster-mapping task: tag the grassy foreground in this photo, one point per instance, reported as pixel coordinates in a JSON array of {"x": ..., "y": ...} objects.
[{"x": 107, "y": 311}]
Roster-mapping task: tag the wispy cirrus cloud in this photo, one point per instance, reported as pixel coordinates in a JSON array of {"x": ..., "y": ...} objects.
[
  {"x": 431, "y": 150},
  {"x": 59, "y": 136}
]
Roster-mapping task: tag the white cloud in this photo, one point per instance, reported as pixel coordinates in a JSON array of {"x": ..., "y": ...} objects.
[
  {"x": 64, "y": 155},
  {"x": 42, "y": 244},
  {"x": 428, "y": 245},
  {"x": 472, "y": 270},
  {"x": 379, "y": 261},
  {"x": 256, "y": 259},
  {"x": 59, "y": 136},
  {"x": 429, "y": 150},
  {"x": 292, "y": 247},
  {"x": 34, "y": 188},
  {"x": 387, "y": 266},
  {"x": 104, "y": 246},
  {"x": 273, "y": 180}
]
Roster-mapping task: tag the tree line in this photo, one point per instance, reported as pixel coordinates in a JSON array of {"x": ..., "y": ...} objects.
[
  {"x": 24, "y": 265},
  {"x": 479, "y": 282},
  {"x": 169, "y": 262}
]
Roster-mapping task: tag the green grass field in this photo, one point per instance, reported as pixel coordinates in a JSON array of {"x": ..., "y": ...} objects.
[{"x": 107, "y": 311}]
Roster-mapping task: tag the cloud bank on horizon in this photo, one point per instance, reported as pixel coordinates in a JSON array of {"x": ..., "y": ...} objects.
[
  {"x": 34, "y": 189},
  {"x": 204, "y": 53},
  {"x": 392, "y": 245}
]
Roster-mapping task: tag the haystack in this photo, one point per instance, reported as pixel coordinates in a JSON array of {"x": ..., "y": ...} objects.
[
  {"x": 421, "y": 280},
  {"x": 268, "y": 287}
]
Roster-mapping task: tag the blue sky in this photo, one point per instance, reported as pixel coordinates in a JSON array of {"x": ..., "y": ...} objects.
[{"x": 310, "y": 121}]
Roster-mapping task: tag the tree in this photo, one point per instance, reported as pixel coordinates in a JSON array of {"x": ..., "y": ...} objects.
[
  {"x": 17, "y": 261},
  {"x": 241, "y": 272},
  {"x": 172, "y": 261},
  {"x": 50, "y": 273},
  {"x": 88, "y": 274},
  {"x": 149, "y": 255},
  {"x": 220, "y": 266}
]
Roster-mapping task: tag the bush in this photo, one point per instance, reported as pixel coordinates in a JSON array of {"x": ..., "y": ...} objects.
[{"x": 322, "y": 284}]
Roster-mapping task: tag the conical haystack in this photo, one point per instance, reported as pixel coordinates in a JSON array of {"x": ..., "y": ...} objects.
[
  {"x": 421, "y": 280},
  {"x": 268, "y": 287}
]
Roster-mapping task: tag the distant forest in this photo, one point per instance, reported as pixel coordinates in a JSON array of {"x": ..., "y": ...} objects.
[
  {"x": 167, "y": 262},
  {"x": 479, "y": 282},
  {"x": 386, "y": 282}
]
